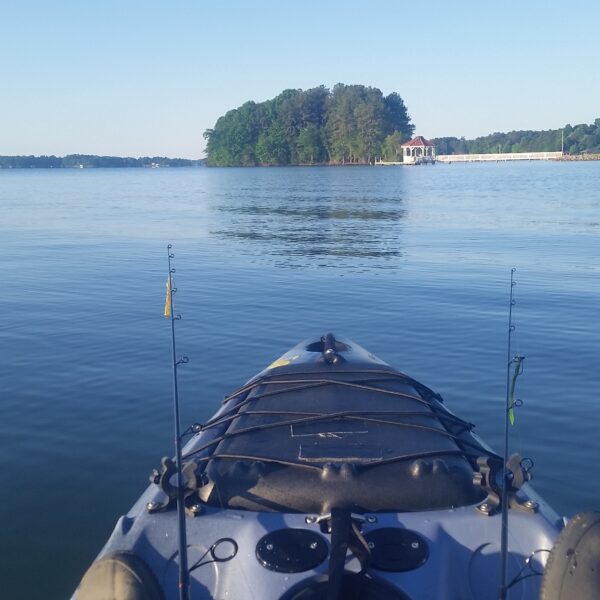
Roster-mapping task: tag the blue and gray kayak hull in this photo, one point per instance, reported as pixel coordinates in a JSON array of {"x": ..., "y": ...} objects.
[{"x": 331, "y": 475}]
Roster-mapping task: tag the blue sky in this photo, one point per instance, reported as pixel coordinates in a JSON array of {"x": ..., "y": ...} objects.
[{"x": 139, "y": 78}]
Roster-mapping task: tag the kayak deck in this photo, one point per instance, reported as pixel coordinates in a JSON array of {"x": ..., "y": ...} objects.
[
  {"x": 330, "y": 470},
  {"x": 308, "y": 441}
]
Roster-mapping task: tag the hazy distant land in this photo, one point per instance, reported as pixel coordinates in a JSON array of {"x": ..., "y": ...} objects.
[{"x": 80, "y": 161}]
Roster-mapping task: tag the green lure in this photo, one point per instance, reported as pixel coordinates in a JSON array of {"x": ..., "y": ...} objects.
[{"x": 518, "y": 361}]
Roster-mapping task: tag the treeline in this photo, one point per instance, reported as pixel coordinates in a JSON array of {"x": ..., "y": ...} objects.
[
  {"x": 578, "y": 139},
  {"x": 350, "y": 124},
  {"x": 89, "y": 160}
]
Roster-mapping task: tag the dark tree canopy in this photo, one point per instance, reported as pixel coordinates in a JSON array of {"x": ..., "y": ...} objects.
[{"x": 349, "y": 124}]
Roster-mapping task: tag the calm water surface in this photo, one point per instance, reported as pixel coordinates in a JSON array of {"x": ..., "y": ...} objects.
[{"x": 413, "y": 264}]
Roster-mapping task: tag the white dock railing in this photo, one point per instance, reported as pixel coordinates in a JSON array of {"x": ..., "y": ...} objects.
[{"x": 499, "y": 156}]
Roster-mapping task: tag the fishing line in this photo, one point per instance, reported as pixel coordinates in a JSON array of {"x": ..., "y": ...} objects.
[{"x": 528, "y": 565}]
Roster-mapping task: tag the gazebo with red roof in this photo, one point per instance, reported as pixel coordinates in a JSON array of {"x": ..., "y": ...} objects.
[{"x": 418, "y": 150}]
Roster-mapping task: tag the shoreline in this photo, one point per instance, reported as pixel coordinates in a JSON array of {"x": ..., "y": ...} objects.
[
  {"x": 447, "y": 160},
  {"x": 578, "y": 157}
]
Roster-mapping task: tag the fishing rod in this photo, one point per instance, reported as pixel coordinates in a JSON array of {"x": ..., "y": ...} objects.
[
  {"x": 184, "y": 578},
  {"x": 516, "y": 363}
]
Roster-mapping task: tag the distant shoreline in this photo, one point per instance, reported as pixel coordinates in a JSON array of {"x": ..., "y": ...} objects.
[
  {"x": 167, "y": 163},
  {"x": 92, "y": 161},
  {"x": 107, "y": 167}
]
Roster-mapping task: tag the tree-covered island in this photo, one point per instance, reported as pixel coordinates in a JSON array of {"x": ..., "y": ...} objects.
[
  {"x": 354, "y": 124},
  {"x": 349, "y": 124}
]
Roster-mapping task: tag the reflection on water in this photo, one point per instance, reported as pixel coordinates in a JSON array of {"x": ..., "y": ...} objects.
[
  {"x": 422, "y": 259},
  {"x": 334, "y": 229}
]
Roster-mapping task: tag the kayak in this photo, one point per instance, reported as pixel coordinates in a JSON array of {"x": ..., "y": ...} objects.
[{"x": 332, "y": 475}]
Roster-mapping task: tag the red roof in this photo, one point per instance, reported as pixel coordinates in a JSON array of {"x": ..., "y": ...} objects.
[{"x": 419, "y": 141}]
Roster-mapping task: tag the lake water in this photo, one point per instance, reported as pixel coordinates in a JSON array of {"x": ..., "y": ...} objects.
[{"x": 412, "y": 263}]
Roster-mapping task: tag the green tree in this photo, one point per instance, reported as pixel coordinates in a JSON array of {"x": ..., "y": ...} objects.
[
  {"x": 355, "y": 123},
  {"x": 233, "y": 139},
  {"x": 369, "y": 117},
  {"x": 313, "y": 106},
  {"x": 396, "y": 116},
  {"x": 272, "y": 147},
  {"x": 309, "y": 147},
  {"x": 392, "y": 146}
]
